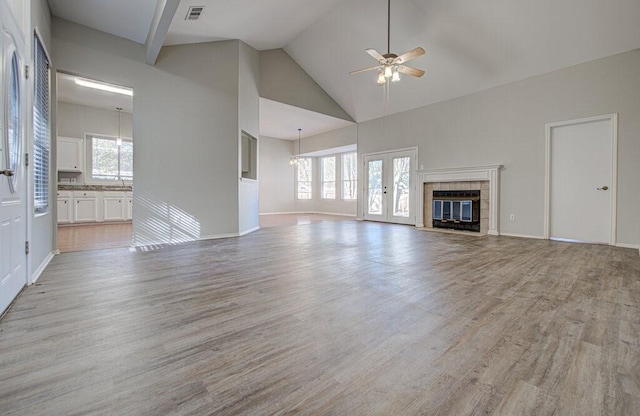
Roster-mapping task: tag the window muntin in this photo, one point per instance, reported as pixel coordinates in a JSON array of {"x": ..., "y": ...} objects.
[
  {"x": 328, "y": 184},
  {"x": 304, "y": 179},
  {"x": 41, "y": 128},
  {"x": 349, "y": 176}
]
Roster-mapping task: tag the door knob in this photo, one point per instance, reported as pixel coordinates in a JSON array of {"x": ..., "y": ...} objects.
[
  {"x": 604, "y": 188},
  {"x": 7, "y": 172}
]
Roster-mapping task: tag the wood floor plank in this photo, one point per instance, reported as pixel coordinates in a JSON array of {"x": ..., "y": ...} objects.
[{"x": 329, "y": 318}]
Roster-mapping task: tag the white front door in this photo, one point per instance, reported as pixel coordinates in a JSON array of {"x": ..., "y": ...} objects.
[
  {"x": 582, "y": 181},
  {"x": 390, "y": 182},
  {"x": 13, "y": 227}
]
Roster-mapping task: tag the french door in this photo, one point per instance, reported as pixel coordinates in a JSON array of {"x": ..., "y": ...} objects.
[{"x": 390, "y": 183}]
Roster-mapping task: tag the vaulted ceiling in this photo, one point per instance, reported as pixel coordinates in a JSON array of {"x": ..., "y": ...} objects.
[{"x": 470, "y": 45}]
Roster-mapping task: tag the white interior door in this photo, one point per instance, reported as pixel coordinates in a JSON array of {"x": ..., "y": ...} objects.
[
  {"x": 13, "y": 227},
  {"x": 390, "y": 182},
  {"x": 582, "y": 181}
]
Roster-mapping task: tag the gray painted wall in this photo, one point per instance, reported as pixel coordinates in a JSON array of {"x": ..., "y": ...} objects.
[
  {"x": 506, "y": 125},
  {"x": 283, "y": 80},
  {"x": 186, "y": 119}
]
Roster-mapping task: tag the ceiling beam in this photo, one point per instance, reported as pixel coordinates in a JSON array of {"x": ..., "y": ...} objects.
[{"x": 165, "y": 10}]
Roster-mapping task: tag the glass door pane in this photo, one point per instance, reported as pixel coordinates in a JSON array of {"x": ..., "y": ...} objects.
[
  {"x": 401, "y": 177},
  {"x": 374, "y": 203}
]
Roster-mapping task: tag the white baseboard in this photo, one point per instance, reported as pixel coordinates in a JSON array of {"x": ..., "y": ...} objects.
[
  {"x": 308, "y": 212},
  {"x": 333, "y": 213},
  {"x": 248, "y": 231},
  {"x": 535, "y": 237},
  {"x": 624, "y": 245},
  {"x": 41, "y": 267}
]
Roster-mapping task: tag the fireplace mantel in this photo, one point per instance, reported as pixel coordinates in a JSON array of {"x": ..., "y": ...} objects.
[{"x": 489, "y": 173}]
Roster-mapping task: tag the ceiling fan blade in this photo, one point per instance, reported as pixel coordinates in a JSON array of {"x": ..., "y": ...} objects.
[
  {"x": 376, "y": 55},
  {"x": 414, "y": 72},
  {"x": 407, "y": 56},
  {"x": 371, "y": 68}
]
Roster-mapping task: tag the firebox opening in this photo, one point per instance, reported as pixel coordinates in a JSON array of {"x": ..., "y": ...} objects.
[{"x": 457, "y": 210}]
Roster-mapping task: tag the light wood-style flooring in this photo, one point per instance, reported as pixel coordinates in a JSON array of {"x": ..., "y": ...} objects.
[
  {"x": 329, "y": 318},
  {"x": 93, "y": 236},
  {"x": 116, "y": 235}
]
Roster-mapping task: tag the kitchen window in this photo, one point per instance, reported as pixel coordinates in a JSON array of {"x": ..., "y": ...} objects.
[{"x": 111, "y": 160}]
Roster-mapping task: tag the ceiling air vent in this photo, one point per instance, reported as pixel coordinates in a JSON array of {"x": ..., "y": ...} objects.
[{"x": 194, "y": 12}]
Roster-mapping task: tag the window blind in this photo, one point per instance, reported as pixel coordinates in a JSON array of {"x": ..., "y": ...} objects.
[{"x": 41, "y": 128}]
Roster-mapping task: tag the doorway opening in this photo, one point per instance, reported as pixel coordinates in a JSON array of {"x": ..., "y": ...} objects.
[{"x": 95, "y": 147}]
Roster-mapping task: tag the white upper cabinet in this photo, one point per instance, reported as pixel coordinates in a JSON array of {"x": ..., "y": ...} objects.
[{"x": 70, "y": 154}]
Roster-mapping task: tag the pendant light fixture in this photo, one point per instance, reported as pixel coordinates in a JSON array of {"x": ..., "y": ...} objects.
[
  {"x": 294, "y": 160},
  {"x": 119, "y": 138}
]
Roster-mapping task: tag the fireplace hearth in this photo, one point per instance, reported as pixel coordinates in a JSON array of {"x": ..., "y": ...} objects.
[{"x": 456, "y": 209}]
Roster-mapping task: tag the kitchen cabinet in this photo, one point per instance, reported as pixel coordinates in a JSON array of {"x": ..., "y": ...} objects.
[
  {"x": 65, "y": 211},
  {"x": 94, "y": 206},
  {"x": 70, "y": 154},
  {"x": 85, "y": 206},
  {"x": 114, "y": 206},
  {"x": 128, "y": 206}
]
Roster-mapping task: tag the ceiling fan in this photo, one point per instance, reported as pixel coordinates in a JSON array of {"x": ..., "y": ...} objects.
[{"x": 391, "y": 65}]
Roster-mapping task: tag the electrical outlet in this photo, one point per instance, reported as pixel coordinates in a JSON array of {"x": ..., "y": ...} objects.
[{"x": 512, "y": 217}]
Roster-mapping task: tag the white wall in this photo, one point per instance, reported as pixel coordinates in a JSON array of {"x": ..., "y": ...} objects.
[
  {"x": 275, "y": 175},
  {"x": 506, "y": 125},
  {"x": 76, "y": 120},
  {"x": 185, "y": 123}
]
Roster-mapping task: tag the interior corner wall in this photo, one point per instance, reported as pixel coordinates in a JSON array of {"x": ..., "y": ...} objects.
[
  {"x": 185, "y": 123},
  {"x": 249, "y": 120},
  {"x": 284, "y": 81},
  {"x": 43, "y": 226},
  {"x": 275, "y": 175},
  {"x": 506, "y": 125}
]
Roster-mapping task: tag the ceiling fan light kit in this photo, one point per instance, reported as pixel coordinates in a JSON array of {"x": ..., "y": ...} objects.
[{"x": 390, "y": 65}]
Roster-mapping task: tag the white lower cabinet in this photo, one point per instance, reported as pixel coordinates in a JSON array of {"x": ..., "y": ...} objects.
[
  {"x": 94, "y": 206},
  {"x": 85, "y": 206},
  {"x": 128, "y": 215},
  {"x": 65, "y": 207},
  {"x": 114, "y": 206}
]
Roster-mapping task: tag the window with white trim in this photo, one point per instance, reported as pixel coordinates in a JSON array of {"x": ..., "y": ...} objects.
[
  {"x": 111, "y": 159},
  {"x": 41, "y": 128},
  {"x": 349, "y": 176},
  {"x": 304, "y": 182},
  {"x": 328, "y": 183}
]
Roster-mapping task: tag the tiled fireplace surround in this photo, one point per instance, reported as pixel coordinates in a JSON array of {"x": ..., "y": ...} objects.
[{"x": 484, "y": 178}]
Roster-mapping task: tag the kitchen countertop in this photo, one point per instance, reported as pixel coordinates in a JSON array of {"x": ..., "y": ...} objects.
[{"x": 67, "y": 187}]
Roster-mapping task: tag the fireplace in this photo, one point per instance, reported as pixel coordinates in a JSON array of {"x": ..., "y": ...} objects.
[
  {"x": 456, "y": 209},
  {"x": 484, "y": 178}
]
